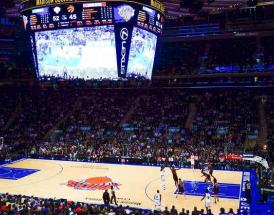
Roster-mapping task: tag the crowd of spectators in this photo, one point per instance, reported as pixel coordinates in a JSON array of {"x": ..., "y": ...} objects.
[
  {"x": 36, "y": 113},
  {"x": 24, "y": 205},
  {"x": 269, "y": 106},
  {"x": 100, "y": 125},
  {"x": 8, "y": 104},
  {"x": 146, "y": 125},
  {"x": 226, "y": 121}
]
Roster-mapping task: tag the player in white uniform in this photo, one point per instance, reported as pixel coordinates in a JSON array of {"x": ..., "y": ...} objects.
[
  {"x": 162, "y": 177},
  {"x": 192, "y": 161},
  {"x": 207, "y": 198},
  {"x": 157, "y": 201}
]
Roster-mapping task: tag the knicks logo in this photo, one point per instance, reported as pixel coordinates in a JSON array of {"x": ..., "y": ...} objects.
[
  {"x": 96, "y": 183},
  {"x": 126, "y": 12}
]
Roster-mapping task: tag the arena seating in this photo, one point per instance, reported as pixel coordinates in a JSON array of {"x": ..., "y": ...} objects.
[
  {"x": 14, "y": 204},
  {"x": 270, "y": 121},
  {"x": 92, "y": 125}
]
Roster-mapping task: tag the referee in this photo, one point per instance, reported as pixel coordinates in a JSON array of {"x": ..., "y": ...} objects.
[{"x": 113, "y": 196}]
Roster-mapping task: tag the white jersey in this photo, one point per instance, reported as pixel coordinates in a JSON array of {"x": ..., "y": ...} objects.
[
  {"x": 162, "y": 175},
  {"x": 163, "y": 179},
  {"x": 192, "y": 160},
  {"x": 207, "y": 199},
  {"x": 157, "y": 201}
]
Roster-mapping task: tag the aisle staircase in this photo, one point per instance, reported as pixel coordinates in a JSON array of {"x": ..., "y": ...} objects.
[
  {"x": 131, "y": 111},
  {"x": 191, "y": 115},
  {"x": 13, "y": 116},
  {"x": 61, "y": 120}
]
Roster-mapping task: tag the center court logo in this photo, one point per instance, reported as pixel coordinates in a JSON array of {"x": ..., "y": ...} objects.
[{"x": 95, "y": 183}]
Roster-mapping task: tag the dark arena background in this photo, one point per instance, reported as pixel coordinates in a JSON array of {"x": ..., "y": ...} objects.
[{"x": 136, "y": 107}]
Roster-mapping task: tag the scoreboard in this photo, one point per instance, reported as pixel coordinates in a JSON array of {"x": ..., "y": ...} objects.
[
  {"x": 92, "y": 14},
  {"x": 30, "y": 4},
  {"x": 93, "y": 39}
]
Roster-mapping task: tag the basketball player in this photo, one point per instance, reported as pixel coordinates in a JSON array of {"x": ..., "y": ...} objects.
[
  {"x": 215, "y": 190},
  {"x": 192, "y": 161},
  {"x": 157, "y": 201},
  {"x": 206, "y": 174},
  {"x": 210, "y": 168},
  {"x": 175, "y": 176},
  {"x": 80, "y": 51},
  {"x": 113, "y": 196},
  {"x": 207, "y": 198},
  {"x": 162, "y": 177},
  {"x": 181, "y": 188}
]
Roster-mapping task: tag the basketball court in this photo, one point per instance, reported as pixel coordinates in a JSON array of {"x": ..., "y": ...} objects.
[{"x": 135, "y": 185}]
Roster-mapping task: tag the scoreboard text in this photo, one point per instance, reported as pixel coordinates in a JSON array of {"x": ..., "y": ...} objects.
[
  {"x": 72, "y": 15},
  {"x": 30, "y": 4},
  {"x": 47, "y": 2}
]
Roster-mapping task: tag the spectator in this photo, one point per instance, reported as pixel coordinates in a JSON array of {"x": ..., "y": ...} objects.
[
  {"x": 248, "y": 191},
  {"x": 166, "y": 211},
  {"x": 195, "y": 211},
  {"x": 173, "y": 211},
  {"x": 182, "y": 212},
  {"x": 222, "y": 211},
  {"x": 209, "y": 212},
  {"x": 230, "y": 212},
  {"x": 203, "y": 212}
]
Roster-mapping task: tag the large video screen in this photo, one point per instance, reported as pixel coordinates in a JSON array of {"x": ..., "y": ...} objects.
[
  {"x": 86, "y": 53},
  {"x": 142, "y": 53}
]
